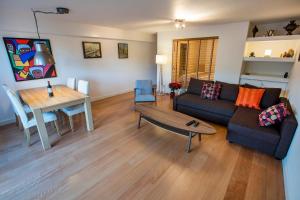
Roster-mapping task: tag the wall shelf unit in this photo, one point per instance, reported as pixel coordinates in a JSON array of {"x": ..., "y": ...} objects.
[
  {"x": 265, "y": 78},
  {"x": 269, "y": 59},
  {"x": 274, "y": 38}
]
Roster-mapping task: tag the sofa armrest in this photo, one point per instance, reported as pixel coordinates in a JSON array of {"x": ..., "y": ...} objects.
[
  {"x": 287, "y": 130},
  {"x": 175, "y": 100}
]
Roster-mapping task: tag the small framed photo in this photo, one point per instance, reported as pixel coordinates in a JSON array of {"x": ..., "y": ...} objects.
[
  {"x": 91, "y": 49},
  {"x": 123, "y": 50}
]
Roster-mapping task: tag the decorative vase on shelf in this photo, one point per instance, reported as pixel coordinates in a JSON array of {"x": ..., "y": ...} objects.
[
  {"x": 291, "y": 27},
  {"x": 254, "y": 30}
]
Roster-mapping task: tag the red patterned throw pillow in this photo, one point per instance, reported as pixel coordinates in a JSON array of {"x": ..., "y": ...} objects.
[
  {"x": 211, "y": 91},
  {"x": 273, "y": 115}
]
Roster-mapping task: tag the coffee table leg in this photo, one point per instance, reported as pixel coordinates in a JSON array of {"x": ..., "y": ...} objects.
[
  {"x": 199, "y": 137},
  {"x": 140, "y": 118},
  {"x": 189, "y": 143}
]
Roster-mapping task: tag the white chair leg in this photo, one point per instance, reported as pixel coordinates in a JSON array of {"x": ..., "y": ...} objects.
[
  {"x": 19, "y": 123},
  {"x": 71, "y": 123},
  {"x": 27, "y": 135},
  {"x": 57, "y": 127}
]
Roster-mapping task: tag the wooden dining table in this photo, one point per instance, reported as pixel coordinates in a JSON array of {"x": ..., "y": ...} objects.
[{"x": 39, "y": 102}]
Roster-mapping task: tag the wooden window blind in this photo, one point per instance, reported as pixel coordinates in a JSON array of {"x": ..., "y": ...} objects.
[{"x": 194, "y": 58}]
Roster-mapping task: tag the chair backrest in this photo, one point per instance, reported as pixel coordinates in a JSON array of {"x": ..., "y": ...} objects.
[
  {"x": 84, "y": 87},
  {"x": 71, "y": 83},
  {"x": 143, "y": 87},
  {"x": 18, "y": 106},
  {"x": 6, "y": 89}
]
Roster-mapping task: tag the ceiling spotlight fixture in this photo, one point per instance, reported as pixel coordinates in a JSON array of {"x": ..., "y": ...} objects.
[
  {"x": 179, "y": 23},
  {"x": 42, "y": 54}
]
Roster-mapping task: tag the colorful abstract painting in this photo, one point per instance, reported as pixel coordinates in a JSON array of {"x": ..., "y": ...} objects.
[{"x": 21, "y": 52}]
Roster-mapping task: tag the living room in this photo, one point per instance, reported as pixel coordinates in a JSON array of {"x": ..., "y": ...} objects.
[{"x": 119, "y": 143}]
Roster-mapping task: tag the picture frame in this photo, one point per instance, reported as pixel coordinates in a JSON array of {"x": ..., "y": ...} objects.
[
  {"x": 123, "y": 50},
  {"x": 91, "y": 49},
  {"x": 21, "y": 53}
]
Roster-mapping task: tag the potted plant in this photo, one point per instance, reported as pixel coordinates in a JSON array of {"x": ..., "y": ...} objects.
[{"x": 174, "y": 86}]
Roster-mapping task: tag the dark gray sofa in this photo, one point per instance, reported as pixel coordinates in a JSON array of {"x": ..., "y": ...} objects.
[{"x": 243, "y": 126}]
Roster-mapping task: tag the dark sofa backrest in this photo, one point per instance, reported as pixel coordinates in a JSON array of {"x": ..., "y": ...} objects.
[
  {"x": 229, "y": 91},
  {"x": 195, "y": 86}
]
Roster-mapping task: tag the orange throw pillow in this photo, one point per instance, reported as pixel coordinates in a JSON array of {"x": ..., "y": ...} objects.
[{"x": 249, "y": 97}]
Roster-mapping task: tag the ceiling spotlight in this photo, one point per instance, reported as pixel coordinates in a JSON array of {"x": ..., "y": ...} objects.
[{"x": 179, "y": 23}]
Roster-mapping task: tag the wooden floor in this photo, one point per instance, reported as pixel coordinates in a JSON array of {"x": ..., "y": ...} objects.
[{"x": 119, "y": 161}]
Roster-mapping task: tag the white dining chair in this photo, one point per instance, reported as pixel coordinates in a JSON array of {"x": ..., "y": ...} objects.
[
  {"x": 25, "y": 106},
  {"x": 83, "y": 87},
  {"x": 71, "y": 83},
  {"x": 26, "y": 122}
]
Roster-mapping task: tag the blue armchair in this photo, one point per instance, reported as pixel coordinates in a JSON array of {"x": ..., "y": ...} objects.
[{"x": 144, "y": 92}]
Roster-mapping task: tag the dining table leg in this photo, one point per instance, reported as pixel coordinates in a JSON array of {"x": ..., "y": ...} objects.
[
  {"x": 88, "y": 114},
  {"x": 41, "y": 128}
]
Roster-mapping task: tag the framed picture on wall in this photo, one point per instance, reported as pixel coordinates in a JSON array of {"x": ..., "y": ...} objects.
[
  {"x": 20, "y": 52},
  {"x": 91, "y": 49},
  {"x": 123, "y": 50}
]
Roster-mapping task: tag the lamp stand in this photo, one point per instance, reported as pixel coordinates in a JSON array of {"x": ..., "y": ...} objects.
[{"x": 160, "y": 81}]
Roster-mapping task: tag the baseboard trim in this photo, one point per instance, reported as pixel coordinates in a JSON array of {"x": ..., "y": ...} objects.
[
  {"x": 7, "y": 121},
  {"x": 110, "y": 95}
]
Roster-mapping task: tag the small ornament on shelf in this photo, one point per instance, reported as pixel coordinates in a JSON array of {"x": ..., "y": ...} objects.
[
  {"x": 289, "y": 54},
  {"x": 252, "y": 54},
  {"x": 291, "y": 27},
  {"x": 254, "y": 30},
  {"x": 286, "y": 75},
  {"x": 270, "y": 33}
]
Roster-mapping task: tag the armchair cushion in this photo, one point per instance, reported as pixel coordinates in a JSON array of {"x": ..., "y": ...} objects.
[{"x": 144, "y": 98}]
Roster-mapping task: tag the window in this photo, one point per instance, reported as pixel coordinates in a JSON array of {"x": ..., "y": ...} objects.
[{"x": 194, "y": 58}]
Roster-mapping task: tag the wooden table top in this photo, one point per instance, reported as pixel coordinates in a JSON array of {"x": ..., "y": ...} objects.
[
  {"x": 38, "y": 97},
  {"x": 174, "y": 119}
]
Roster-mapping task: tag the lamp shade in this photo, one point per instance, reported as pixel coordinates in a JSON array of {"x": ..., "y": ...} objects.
[
  {"x": 42, "y": 55},
  {"x": 160, "y": 59}
]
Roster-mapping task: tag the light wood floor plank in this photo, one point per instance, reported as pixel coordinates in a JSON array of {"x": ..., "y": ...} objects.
[{"x": 119, "y": 161}]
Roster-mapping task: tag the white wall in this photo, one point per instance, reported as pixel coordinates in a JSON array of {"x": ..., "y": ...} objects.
[
  {"x": 291, "y": 164},
  {"x": 108, "y": 75},
  {"x": 230, "y": 50}
]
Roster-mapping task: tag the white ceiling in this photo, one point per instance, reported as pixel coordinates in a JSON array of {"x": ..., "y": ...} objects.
[{"x": 156, "y": 15}]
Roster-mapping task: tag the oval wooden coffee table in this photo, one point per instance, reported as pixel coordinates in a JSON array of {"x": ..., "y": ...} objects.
[{"x": 174, "y": 122}]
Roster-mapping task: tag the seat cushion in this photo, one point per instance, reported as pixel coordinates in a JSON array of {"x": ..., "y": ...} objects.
[
  {"x": 48, "y": 117},
  {"x": 195, "y": 86},
  {"x": 245, "y": 123},
  {"x": 229, "y": 91},
  {"x": 221, "y": 107},
  {"x": 144, "y": 98},
  {"x": 73, "y": 110}
]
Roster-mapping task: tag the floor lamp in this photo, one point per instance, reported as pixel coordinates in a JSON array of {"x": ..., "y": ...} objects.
[{"x": 160, "y": 60}]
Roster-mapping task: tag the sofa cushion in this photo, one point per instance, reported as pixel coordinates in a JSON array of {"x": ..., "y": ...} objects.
[
  {"x": 273, "y": 115},
  {"x": 245, "y": 122},
  {"x": 270, "y": 97},
  {"x": 250, "y": 97},
  {"x": 211, "y": 91},
  {"x": 195, "y": 86},
  {"x": 229, "y": 91},
  {"x": 221, "y": 107}
]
